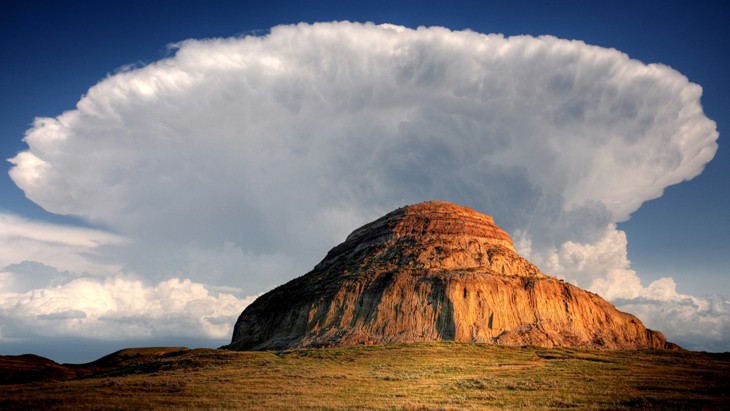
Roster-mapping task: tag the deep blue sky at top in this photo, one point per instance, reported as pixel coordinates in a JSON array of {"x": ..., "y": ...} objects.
[{"x": 51, "y": 52}]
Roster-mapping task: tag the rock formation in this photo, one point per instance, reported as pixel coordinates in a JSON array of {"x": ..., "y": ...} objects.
[{"x": 429, "y": 272}]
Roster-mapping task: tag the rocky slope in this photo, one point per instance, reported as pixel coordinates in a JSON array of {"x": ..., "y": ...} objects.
[{"x": 428, "y": 272}]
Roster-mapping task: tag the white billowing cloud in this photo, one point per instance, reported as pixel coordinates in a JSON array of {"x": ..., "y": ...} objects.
[
  {"x": 65, "y": 247},
  {"x": 603, "y": 267},
  {"x": 239, "y": 162},
  {"x": 701, "y": 324},
  {"x": 120, "y": 307},
  {"x": 266, "y": 137},
  {"x": 93, "y": 299}
]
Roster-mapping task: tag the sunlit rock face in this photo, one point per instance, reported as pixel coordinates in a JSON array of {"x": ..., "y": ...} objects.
[{"x": 430, "y": 272}]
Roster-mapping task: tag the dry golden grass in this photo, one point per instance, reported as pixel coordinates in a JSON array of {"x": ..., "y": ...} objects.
[{"x": 421, "y": 376}]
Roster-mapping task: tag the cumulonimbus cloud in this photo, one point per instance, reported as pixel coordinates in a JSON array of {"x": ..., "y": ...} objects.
[
  {"x": 345, "y": 112},
  {"x": 246, "y": 148}
]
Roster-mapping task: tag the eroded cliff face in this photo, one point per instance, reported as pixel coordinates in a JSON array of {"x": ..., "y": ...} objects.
[{"x": 428, "y": 272}]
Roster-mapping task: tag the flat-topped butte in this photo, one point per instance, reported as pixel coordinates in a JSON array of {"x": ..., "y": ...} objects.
[{"x": 433, "y": 271}]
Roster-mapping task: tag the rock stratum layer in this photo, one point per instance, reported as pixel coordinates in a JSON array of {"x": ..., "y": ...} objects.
[{"x": 429, "y": 272}]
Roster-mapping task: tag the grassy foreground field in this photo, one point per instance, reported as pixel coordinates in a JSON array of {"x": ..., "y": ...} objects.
[{"x": 421, "y": 376}]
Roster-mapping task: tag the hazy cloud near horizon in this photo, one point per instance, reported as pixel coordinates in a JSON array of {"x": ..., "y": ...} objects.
[{"x": 235, "y": 164}]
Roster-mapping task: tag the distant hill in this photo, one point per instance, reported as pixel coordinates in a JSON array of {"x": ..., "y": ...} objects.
[
  {"x": 132, "y": 355},
  {"x": 21, "y": 369}
]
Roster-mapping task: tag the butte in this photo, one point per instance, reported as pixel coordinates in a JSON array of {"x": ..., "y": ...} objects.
[{"x": 433, "y": 271}]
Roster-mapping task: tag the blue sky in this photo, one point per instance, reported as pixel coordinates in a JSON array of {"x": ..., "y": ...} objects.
[{"x": 52, "y": 53}]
